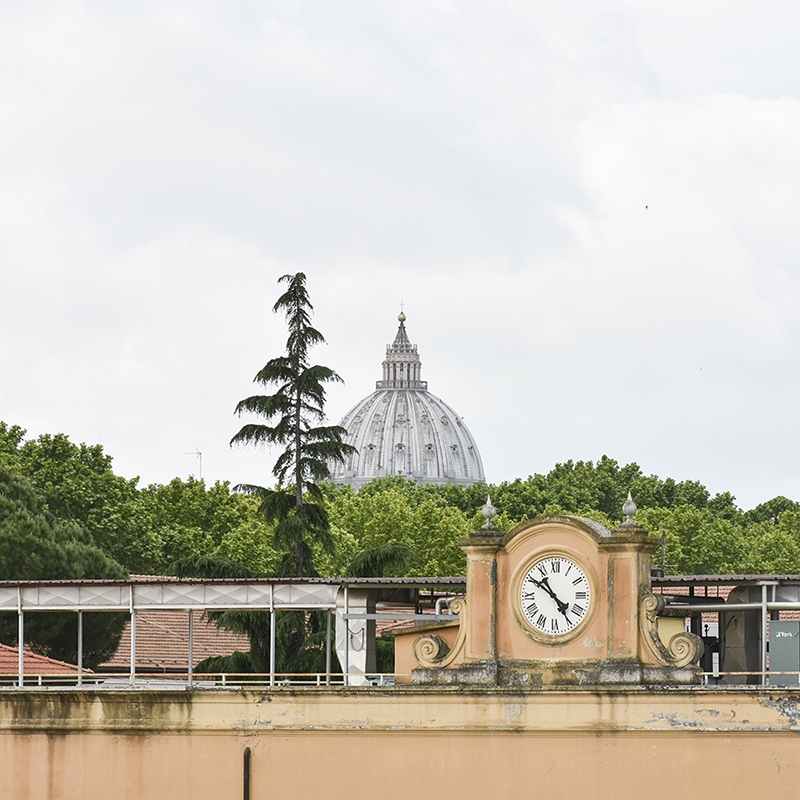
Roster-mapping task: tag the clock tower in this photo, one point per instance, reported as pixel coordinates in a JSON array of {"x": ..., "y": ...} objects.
[{"x": 557, "y": 601}]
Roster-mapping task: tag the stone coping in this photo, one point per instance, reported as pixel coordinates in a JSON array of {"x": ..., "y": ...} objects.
[{"x": 405, "y": 709}]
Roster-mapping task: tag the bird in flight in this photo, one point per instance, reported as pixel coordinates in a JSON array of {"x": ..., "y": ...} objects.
[{"x": 646, "y": 207}]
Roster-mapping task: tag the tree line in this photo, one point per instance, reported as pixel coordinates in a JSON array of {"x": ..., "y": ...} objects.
[{"x": 77, "y": 516}]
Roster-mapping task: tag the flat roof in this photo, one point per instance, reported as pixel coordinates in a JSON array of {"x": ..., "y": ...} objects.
[
  {"x": 423, "y": 582},
  {"x": 720, "y": 580}
]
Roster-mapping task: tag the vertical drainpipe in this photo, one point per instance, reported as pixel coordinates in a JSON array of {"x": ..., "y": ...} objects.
[
  {"x": 133, "y": 638},
  {"x": 20, "y": 638},
  {"x": 246, "y": 757},
  {"x": 191, "y": 648},
  {"x": 80, "y": 648}
]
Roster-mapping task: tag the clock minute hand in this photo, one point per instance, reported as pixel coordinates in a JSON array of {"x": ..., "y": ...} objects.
[
  {"x": 545, "y": 584},
  {"x": 560, "y": 604}
]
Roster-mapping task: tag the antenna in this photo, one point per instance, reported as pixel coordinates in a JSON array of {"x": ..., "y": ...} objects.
[{"x": 199, "y": 455}]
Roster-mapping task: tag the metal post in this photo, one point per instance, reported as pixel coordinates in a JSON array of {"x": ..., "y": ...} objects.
[
  {"x": 272, "y": 616},
  {"x": 763, "y": 633},
  {"x": 328, "y": 659},
  {"x": 191, "y": 648},
  {"x": 20, "y": 638},
  {"x": 346, "y": 636},
  {"x": 133, "y": 635},
  {"x": 80, "y": 648},
  {"x": 133, "y": 647},
  {"x": 271, "y": 635}
]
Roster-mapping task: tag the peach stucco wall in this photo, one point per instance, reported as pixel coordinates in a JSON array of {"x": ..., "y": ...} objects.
[
  {"x": 400, "y": 743},
  {"x": 363, "y": 766}
]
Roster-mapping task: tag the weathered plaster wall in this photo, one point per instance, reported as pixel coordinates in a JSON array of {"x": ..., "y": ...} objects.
[{"x": 400, "y": 743}]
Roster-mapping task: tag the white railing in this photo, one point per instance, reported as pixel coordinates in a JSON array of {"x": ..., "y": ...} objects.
[{"x": 214, "y": 680}]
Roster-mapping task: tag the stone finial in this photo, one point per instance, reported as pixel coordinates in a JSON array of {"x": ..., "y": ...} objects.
[
  {"x": 489, "y": 512},
  {"x": 629, "y": 509}
]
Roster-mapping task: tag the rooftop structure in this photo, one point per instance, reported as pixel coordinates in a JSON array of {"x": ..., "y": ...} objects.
[
  {"x": 155, "y": 606},
  {"x": 402, "y": 429}
]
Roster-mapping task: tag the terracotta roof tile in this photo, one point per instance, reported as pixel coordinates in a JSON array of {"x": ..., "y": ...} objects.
[
  {"x": 34, "y": 664},
  {"x": 162, "y": 642}
]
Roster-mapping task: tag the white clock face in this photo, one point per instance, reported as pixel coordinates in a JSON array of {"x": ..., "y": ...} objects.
[{"x": 555, "y": 595}]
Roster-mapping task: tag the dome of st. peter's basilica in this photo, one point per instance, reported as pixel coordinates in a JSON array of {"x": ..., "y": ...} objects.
[{"x": 402, "y": 429}]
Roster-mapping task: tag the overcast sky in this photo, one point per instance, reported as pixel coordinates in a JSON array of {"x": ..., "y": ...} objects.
[{"x": 590, "y": 210}]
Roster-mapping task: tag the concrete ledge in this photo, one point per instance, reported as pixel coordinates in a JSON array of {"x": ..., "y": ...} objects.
[{"x": 410, "y": 709}]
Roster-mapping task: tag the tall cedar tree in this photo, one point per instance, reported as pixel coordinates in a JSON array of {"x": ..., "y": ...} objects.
[{"x": 297, "y": 409}]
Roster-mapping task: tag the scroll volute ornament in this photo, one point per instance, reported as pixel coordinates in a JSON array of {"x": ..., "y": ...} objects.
[
  {"x": 682, "y": 649},
  {"x": 431, "y": 650}
]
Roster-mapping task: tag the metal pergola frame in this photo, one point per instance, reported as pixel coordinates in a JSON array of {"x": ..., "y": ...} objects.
[
  {"x": 769, "y": 584},
  {"x": 190, "y": 594},
  {"x": 332, "y": 595}
]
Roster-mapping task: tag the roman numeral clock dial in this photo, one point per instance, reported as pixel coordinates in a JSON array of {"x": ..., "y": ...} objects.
[{"x": 555, "y": 595}]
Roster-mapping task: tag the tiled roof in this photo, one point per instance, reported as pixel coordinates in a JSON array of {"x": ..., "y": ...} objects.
[
  {"x": 162, "y": 642},
  {"x": 34, "y": 664}
]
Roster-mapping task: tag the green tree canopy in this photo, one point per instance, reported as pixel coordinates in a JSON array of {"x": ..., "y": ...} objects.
[
  {"x": 77, "y": 483},
  {"x": 34, "y": 547},
  {"x": 396, "y": 511},
  {"x": 189, "y": 519},
  {"x": 149, "y": 529}
]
